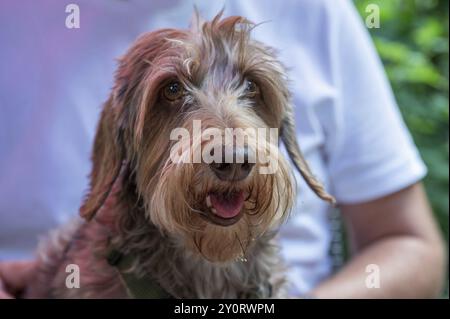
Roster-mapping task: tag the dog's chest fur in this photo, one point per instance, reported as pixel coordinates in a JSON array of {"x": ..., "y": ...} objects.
[
  {"x": 178, "y": 271},
  {"x": 184, "y": 274}
]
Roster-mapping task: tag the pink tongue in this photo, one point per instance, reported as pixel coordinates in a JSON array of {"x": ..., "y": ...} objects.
[{"x": 227, "y": 206}]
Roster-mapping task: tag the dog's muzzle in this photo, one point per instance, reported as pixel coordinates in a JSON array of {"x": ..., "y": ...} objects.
[{"x": 235, "y": 170}]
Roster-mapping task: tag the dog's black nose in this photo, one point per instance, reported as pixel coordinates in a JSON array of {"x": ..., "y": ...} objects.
[{"x": 237, "y": 169}]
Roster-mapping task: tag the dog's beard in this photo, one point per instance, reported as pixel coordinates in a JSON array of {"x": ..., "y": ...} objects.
[{"x": 178, "y": 205}]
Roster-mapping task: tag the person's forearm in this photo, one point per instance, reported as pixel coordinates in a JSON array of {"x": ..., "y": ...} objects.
[{"x": 408, "y": 268}]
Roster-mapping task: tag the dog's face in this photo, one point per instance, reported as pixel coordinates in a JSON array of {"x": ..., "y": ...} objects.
[{"x": 190, "y": 115}]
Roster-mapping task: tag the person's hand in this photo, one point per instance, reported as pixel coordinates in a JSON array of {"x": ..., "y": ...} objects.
[{"x": 14, "y": 276}]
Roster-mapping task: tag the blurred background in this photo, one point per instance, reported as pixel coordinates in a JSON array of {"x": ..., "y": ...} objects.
[{"x": 413, "y": 43}]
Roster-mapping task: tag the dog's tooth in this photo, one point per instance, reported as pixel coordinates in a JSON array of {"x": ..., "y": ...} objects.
[
  {"x": 214, "y": 210},
  {"x": 208, "y": 201}
]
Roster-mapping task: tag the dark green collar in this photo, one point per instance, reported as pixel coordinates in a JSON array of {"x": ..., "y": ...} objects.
[{"x": 137, "y": 287}]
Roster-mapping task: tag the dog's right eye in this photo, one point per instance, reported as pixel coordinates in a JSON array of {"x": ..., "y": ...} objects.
[
  {"x": 251, "y": 88},
  {"x": 173, "y": 91}
]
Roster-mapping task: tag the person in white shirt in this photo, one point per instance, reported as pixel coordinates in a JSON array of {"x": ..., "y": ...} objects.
[{"x": 54, "y": 80}]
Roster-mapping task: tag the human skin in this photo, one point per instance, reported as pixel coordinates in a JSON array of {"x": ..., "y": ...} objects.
[
  {"x": 399, "y": 235},
  {"x": 14, "y": 276}
]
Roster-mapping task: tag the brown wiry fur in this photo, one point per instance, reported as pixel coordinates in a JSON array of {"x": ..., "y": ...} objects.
[{"x": 151, "y": 207}]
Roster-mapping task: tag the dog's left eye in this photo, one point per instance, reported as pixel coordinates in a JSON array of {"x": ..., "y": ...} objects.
[
  {"x": 251, "y": 88},
  {"x": 173, "y": 91}
]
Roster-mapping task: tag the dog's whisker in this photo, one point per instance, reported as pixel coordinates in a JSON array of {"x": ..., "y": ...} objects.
[{"x": 243, "y": 254}]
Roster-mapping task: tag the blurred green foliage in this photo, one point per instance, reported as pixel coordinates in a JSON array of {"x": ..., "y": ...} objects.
[{"x": 412, "y": 40}]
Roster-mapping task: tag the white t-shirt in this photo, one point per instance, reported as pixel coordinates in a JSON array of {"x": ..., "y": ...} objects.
[{"x": 53, "y": 81}]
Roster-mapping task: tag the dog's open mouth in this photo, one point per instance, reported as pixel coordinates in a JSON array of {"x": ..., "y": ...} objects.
[{"x": 225, "y": 209}]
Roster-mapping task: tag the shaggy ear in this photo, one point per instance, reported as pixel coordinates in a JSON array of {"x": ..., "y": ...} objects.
[
  {"x": 288, "y": 136},
  {"x": 107, "y": 157}
]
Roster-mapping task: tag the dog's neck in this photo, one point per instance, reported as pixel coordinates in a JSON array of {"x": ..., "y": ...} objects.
[{"x": 183, "y": 273}]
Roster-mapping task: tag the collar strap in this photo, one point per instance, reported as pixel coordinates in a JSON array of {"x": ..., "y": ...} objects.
[{"x": 137, "y": 287}]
